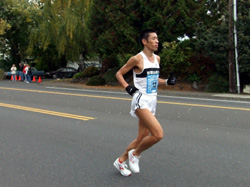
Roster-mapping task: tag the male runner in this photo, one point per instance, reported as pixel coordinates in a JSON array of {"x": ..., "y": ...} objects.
[{"x": 146, "y": 70}]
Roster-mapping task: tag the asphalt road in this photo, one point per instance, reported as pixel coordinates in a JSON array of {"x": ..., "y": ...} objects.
[{"x": 70, "y": 137}]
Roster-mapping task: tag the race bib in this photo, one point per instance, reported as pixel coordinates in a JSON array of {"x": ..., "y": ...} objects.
[{"x": 152, "y": 83}]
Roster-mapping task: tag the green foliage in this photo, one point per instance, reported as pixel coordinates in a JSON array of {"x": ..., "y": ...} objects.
[
  {"x": 61, "y": 25},
  {"x": 218, "y": 83},
  {"x": 213, "y": 43},
  {"x": 110, "y": 27},
  {"x": 173, "y": 56},
  {"x": 4, "y": 26},
  {"x": 110, "y": 77},
  {"x": 96, "y": 81},
  {"x": 193, "y": 77},
  {"x": 55, "y": 31},
  {"x": 78, "y": 75},
  {"x": 123, "y": 58},
  {"x": 114, "y": 61},
  {"x": 91, "y": 73},
  {"x": 114, "y": 26},
  {"x": 48, "y": 59},
  {"x": 5, "y": 64},
  {"x": 1, "y": 74},
  {"x": 88, "y": 72},
  {"x": 200, "y": 66},
  {"x": 243, "y": 28},
  {"x": 173, "y": 19},
  {"x": 16, "y": 23}
]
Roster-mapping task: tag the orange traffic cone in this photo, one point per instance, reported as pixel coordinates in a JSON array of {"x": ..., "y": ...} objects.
[
  {"x": 39, "y": 80},
  {"x": 19, "y": 78},
  {"x": 34, "y": 79},
  {"x": 11, "y": 77}
]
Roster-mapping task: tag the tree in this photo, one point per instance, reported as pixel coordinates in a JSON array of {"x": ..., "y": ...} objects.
[
  {"x": 4, "y": 26},
  {"x": 178, "y": 18},
  {"x": 110, "y": 25},
  {"x": 243, "y": 41},
  {"x": 213, "y": 43},
  {"x": 114, "y": 25},
  {"x": 61, "y": 26},
  {"x": 16, "y": 22}
]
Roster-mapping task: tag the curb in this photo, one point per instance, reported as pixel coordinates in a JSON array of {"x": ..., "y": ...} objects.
[{"x": 225, "y": 96}]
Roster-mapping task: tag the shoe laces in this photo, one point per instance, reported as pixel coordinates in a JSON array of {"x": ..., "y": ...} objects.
[{"x": 124, "y": 165}]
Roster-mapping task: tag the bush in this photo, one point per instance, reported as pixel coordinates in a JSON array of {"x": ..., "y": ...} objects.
[
  {"x": 78, "y": 75},
  {"x": 193, "y": 77},
  {"x": 1, "y": 74},
  {"x": 96, "y": 81},
  {"x": 218, "y": 83},
  {"x": 109, "y": 76},
  {"x": 88, "y": 72},
  {"x": 175, "y": 57}
]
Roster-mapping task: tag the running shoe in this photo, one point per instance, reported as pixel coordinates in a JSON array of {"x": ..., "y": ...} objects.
[
  {"x": 133, "y": 162},
  {"x": 122, "y": 167}
]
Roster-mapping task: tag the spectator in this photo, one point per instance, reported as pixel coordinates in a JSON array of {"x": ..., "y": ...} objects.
[
  {"x": 13, "y": 72},
  {"x": 24, "y": 73},
  {"x": 28, "y": 74},
  {"x": 21, "y": 71}
]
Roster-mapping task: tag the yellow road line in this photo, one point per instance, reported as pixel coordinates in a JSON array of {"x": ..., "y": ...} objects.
[
  {"x": 49, "y": 112},
  {"x": 207, "y": 106},
  {"x": 126, "y": 99},
  {"x": 61, "y": 93}
]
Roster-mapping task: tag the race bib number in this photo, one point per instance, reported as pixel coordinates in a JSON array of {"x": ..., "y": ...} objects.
[{"x": 152, "y": 83}]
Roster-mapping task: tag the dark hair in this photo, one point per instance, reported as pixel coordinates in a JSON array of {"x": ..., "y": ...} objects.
[{"x": 145, "y": 33}]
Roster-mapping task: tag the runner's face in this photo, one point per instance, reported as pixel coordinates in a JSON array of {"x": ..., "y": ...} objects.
[{"x": 152, "y": 42}]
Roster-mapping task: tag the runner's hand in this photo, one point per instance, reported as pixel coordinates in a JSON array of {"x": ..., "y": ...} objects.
[
  {"x": 131, "y": 90},
  {"x": 171, "y": 80}
]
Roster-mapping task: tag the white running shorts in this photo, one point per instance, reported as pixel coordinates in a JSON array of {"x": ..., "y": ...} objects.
[{"x": 143, "y": 101}]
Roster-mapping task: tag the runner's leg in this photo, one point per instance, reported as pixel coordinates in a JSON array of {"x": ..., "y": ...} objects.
[
  {"x": 150, "y": 123},
  {"x": 143, "y": 131}
]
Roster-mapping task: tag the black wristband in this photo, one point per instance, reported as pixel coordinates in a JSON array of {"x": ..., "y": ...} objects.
[{"x": 131, "y": 90}]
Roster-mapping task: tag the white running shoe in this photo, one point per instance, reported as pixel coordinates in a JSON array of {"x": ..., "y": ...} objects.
[
  {"x": 122, "y": 167},
  {"x": 133, "y": 162}
]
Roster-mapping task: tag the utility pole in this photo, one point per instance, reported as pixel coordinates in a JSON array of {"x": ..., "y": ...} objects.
[
  {"x": 231, "y": 57},
  {"x": 236, "y": 47}
]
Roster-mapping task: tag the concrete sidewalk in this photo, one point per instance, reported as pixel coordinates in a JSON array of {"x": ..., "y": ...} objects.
[{"x": 226, "y": 96}]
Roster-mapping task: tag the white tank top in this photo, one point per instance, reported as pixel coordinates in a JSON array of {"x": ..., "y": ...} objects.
[{"x": 147, "y": 80}]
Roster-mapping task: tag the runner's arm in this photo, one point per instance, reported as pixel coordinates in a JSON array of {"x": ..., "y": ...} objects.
[
  {"x": 162, "y": 81},
  {"x": 125, "y": 69}
]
